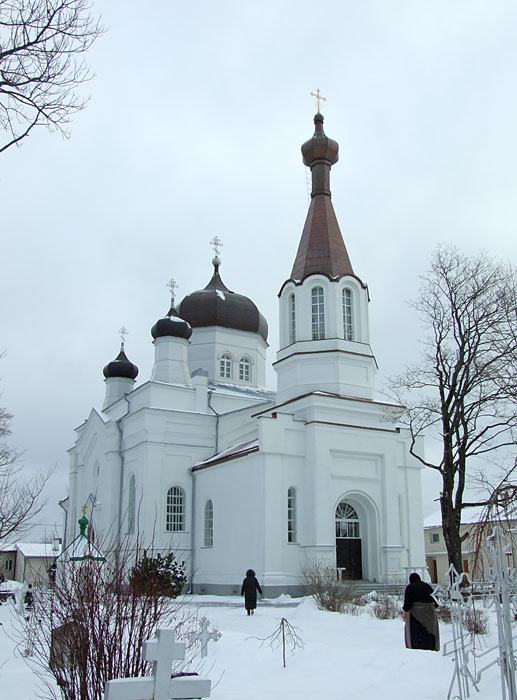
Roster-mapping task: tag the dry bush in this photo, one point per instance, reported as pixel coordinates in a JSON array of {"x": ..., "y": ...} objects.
[
  {"x": 444, "y": 614},
  {"x": 321, "y": 582},
  {"x": 90, "y": 627},
  {"x": 475, "y": 621},
  {"x": 386, "y": 607}
]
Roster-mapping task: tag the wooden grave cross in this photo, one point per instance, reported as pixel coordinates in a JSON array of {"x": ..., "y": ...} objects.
[
  {"x": 204, "y": 636},
  {"x": 162, "y": 651}
]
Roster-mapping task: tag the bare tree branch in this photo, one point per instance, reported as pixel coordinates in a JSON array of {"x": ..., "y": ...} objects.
[{"x": 42, "y": 43}]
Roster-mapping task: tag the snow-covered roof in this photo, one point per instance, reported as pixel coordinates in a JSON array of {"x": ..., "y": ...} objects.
[
  {"x": 38, "y": 549},
  {"x": 234, "y": 389},
  {"x": 468, "y": 517},
  {"x": 32, "y": 549},
  {"x": 239, "y": 450}
]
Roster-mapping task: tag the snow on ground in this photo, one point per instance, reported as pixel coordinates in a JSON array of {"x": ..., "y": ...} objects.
[{"x": 343, "y": 656}]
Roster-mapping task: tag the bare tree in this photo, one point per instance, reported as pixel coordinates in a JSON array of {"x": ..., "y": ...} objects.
[
  {"x": 42, "y": 43},
  {"x": 465, "y": 385},
  {"x": 20, "y": 496}
]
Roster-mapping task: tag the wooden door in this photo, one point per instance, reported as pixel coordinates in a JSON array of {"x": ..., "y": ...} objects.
[{"x": 348, "y": 557}]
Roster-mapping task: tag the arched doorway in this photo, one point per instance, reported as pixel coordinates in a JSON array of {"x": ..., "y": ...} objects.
[{"x": 348, "y": 542}]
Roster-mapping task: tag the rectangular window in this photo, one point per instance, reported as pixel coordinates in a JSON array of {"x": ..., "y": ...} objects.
[
  {"x": 292, "y": 319},
  {"x": 8, "y": 564},
  {"x": 318, "y": 314},
  {"x": 291, "y": 515},
  {"x": 435, "y": 537},
  {"x": 347, "y": 314}
]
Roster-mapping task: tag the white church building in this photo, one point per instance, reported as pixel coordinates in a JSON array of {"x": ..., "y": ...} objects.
[{"x": 201, "y": 459}]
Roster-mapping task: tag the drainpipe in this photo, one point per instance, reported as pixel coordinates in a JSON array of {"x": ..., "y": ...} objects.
[
  {"x": 60, "y": 503},
  {"x": 217, "y": 416},
  {"x": 193, "y": 533},
  {"x": 122, "y": 465}
]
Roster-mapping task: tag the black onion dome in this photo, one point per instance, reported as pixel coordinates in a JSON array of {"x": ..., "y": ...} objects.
[
  {"x": 216, "y": 305},
  {"x": 121, "y": 367},
  {"x": 172, "y": 325},
  {"x": 320, "y": 147}
]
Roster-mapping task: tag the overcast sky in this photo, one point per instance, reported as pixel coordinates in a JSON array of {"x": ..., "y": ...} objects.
[{"x": 198, "y": 110}]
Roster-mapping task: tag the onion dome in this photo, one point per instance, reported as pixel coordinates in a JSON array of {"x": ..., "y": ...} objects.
[
  {"x": 320, "y": 147},
  {"x": 171, "y": 325},
  {"x": 216, "y": 305},
  {"x": 121, "y": 366}
]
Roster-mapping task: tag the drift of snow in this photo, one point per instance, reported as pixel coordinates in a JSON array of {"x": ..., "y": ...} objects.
[{"x": 343, "y": 656}]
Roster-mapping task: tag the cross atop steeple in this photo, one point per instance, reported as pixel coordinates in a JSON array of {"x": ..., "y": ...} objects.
[
  {"x": 318, "y": 99},
  {"x": 172, "y": 287},
  {"x": 216, "y": 243},
  {"x": 123, "y": 333}
]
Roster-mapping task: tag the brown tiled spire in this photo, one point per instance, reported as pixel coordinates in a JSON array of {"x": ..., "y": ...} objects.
[{"x": 321, "y": 248}]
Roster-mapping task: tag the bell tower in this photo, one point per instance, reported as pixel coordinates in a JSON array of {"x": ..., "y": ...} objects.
[{"x": 324, "y": 330}]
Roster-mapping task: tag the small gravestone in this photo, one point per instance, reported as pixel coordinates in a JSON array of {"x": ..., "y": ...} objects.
[
  {"x": 65, "y": 641},
  {"x": 203, "y": 635},
  {"x": 162, "y": 651}
]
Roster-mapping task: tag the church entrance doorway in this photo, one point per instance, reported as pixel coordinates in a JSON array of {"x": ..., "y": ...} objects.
[{"x": 348, "y": 542}]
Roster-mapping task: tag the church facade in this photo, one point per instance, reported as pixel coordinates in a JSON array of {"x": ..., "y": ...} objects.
[{"x": 202, "y": 460}]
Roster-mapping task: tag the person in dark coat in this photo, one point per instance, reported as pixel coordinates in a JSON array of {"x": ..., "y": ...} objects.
[
  {"x": 249, "y": 589},
  {"x": 419, "y": 614}
]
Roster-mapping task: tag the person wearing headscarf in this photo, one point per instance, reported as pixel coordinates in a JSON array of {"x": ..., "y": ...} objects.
[
  {"x": 249, "y": 589},
  {"x": 419, "y": 614}
]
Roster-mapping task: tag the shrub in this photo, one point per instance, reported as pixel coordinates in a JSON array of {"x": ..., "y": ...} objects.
[
  {"x": 475, "y": 621},
  {"x": 158, "y": 576},
  {"x": 444, "y": 614},
  {"x": 386, "y": 607},
  {"x": 321, "y": 582}
]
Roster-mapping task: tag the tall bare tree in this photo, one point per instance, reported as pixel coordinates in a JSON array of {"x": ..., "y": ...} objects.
[
  {"x": 21, "y": 496},
  {"x": 464, "y": 388},
  {"x": 42, "y": 43}
]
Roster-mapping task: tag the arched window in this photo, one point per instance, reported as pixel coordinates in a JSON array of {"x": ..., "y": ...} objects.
[
  {"x": 347, "y": 521},
  {"x": 131, "y": 505},
  {"x": 244, "y": 370},
  {"x": 347, "y": 315},
  {"x": 291, "y": 514},
  {"x": 318, "y": 314},
  {"x": 175, "y": 511},
  {"x": 292, "y": 319},
  {"x": 225, "y": 366},
  {"x": 209, "y": 524}
]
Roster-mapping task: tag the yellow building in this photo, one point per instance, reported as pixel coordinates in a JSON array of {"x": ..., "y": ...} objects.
[{"x": 475, "y": 552}]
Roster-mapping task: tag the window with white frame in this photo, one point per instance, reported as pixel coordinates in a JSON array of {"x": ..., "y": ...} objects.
[
  {"x": 175, "y": 510},
  {"x": 225, "y": 366},
  {"x": 347, "y": 521},
  {"x": 245, "y": 369},
  {"x": 292, "y": 318},
  {"x": 209, "y": 524},
  {"x": 318, "y": 313},
  {"x": 435, "y": 537},
  {"x": 131, "y": 505},
  {"x": 347, "y": 315},
  {"x": 291, "y": 514},
  {"x": 8, "y": 564}
]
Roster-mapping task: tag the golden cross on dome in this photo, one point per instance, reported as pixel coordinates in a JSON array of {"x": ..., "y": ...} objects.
[
  {"x": 171, "y": 284},
  {"x": 318, "y": 98},
  {"x": 84, "y": 509},
  {"x": 216, "y": 243},
  {"x": 122, "y": 333}
]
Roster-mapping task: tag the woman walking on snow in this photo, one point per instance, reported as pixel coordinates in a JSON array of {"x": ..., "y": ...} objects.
[
  {"x": 419, "y": 614},
  {"x": 249, "y": 589}
]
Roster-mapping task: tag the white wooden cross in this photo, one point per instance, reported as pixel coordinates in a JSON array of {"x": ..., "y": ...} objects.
[
  {"x": 162, "y": 651},
  {"x": 204, "y": 636}
]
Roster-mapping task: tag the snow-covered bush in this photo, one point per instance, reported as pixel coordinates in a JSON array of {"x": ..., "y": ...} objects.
[
  {"x": 158, "y": 576},
  {"x": 321, "y": 582},
  {"x": 386, "y": 607}
]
